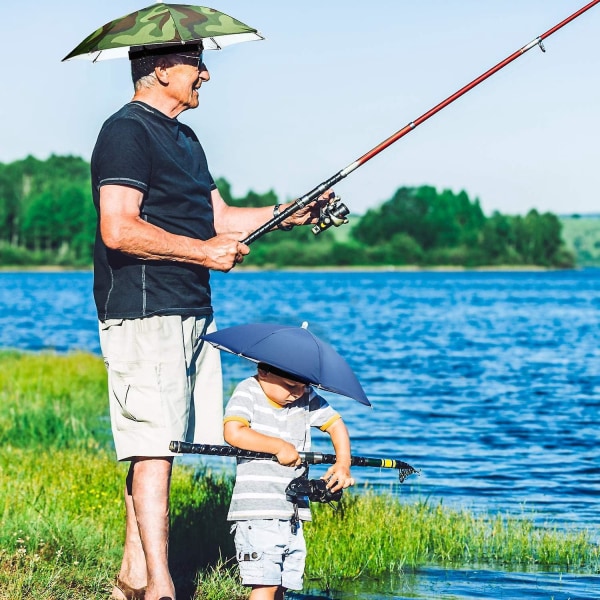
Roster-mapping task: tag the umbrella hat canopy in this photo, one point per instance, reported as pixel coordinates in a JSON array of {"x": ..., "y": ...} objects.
[
  {"x": 161, "y": 24},
  {"x": 294, "y": 350}
]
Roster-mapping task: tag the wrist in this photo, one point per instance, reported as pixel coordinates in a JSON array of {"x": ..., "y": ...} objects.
[{"x": 276, "y": 211}]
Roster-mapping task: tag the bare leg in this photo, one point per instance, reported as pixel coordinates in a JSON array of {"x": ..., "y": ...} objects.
[
  {"x": 267, "y": 592},
  {"x": 133, "y": 570},
  {"x": 145, "y": 557}
]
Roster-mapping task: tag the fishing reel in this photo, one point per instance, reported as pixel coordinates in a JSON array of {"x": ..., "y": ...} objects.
[
  {"x": 315, "y": 489},
  {"x": 333, "y": 213}
]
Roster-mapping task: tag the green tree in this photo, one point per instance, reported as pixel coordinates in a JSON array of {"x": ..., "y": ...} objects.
[
  {"x": 46, "y": 205},
  {"x": 429, "y": 218},
  {"x": 532, "y": 236},
  {"x": 40, "y": 222},
  {"x": 250, "y": 199},
  {"x": 405, "y": 212},
  {"x": 401, "y": 249},
  {"x": 498, "y": 241},
  {"x": 78, "y": 214}
]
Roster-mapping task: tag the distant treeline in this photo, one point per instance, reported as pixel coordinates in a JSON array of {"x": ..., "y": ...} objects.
[
  {"x": 46, "y": 212},
  {"x": 47, "y": 218}
]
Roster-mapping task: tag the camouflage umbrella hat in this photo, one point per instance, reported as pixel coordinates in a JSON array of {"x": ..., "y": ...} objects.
[{"x": 161, "y": 24}]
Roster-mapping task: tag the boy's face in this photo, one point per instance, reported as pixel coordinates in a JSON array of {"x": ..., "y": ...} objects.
[{"x": 280, "y": 390}]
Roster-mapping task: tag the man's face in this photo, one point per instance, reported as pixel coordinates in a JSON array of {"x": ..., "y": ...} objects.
[{"x": 186, "y": 77}]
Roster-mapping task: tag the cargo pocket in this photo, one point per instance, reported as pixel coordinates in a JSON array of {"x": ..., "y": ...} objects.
[
  {"x": 250, "y": 559},
  {"x": 135, "y": 394},
  {"x": 252, "y": 566}
]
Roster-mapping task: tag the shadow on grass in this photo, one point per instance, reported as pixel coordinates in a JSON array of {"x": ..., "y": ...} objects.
[{"x": 200, "y": 536}]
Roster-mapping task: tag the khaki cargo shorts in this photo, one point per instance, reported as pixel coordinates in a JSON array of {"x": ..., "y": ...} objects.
[{"x": 164, "y": 383}]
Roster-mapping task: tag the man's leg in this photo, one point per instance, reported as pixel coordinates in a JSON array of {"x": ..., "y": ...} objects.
[
  {"x": 133, "y": 572},
  {"x": 145, "y": 558}
]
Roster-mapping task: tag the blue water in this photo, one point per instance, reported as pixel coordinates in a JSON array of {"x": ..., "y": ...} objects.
[{"x": 486, "y": 382}]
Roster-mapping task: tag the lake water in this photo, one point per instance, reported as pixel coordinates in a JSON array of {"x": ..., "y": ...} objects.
[{"x": 486, "y": 382}]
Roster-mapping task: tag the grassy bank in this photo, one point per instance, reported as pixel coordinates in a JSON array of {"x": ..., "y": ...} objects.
[{"x": 61, "y": 514}]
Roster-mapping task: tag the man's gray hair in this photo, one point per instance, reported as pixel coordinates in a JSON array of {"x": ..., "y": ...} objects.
[{"x": 145, "y": 81}]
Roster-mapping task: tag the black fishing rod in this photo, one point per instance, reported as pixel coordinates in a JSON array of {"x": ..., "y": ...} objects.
[
  {"x": 335, "y": 212},
  {"x": 311, "y": 458}
]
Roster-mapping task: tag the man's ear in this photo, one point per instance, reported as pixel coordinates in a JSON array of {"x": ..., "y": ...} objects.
[{"x": 161, "y": 72}]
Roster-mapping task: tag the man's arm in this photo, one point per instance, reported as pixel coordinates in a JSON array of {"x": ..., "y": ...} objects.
[
  {"x": 123, "y": 229},
  {"x": 338, "y": 475},
  {"x": 236, "y": 218}
]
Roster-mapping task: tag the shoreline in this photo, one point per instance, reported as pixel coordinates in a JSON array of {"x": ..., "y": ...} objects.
[{"x": 326, "y": 269}]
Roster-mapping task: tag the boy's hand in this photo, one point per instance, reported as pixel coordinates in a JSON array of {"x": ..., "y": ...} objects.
[
  {"x": 288, "y": 455},
  {"x": 338, "y": 477}
]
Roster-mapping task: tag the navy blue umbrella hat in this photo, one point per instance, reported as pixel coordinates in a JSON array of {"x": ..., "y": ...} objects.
[{"x": 294, "y": 350}]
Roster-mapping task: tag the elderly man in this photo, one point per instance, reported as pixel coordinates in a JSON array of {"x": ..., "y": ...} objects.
[{"x": 162, "y": 226}]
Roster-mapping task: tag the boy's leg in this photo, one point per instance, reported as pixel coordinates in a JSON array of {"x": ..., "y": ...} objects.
[{"x": 267, "y": 592}]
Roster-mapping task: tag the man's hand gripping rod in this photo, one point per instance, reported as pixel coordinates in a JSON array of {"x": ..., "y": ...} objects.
[
  {"x": 311, "y": 458},
  {"x": 334, "y": 213}
]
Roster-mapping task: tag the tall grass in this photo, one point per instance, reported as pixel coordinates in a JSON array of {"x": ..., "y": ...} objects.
[
  {"x": 62, "y": 521},
  {"x": 52, "y": 401},
  {"x": 373, "y": 534}
]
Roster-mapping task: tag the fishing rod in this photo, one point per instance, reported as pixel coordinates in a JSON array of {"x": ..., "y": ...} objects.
[
  {"x": 311, "y": 458},
  {"x": 334, "y": 213}
]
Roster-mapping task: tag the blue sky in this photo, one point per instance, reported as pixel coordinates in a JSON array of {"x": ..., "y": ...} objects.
[{"x": 332, "y": 80}]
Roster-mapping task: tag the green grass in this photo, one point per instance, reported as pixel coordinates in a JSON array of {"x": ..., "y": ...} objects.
[
  {"x": 52, "y": 401},
  {"x": 374, "y": 534},
  {"x": 62, "y": 521},
  {"x": 582, "y": 236}
]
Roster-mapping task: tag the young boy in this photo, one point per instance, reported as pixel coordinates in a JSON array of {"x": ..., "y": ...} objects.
[{"x": 273, "y": 412}]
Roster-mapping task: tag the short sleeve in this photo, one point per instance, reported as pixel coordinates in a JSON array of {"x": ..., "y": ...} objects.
[
  {"x": 321, "y": 414},
  {"x": 121, "y": 155},
  {"x": 241, "y": 403}
]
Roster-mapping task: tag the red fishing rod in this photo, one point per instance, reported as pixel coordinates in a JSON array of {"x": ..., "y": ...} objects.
[{"x": 335, "y": 212}]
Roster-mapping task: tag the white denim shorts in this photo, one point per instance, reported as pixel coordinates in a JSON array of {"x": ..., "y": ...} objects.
[
  {"x": 164, "y": 383},
  {"x": 269, "y": 553}
]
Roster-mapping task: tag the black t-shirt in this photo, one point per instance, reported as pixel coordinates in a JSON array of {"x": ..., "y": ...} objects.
[{"x": 142, "y": 148}]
